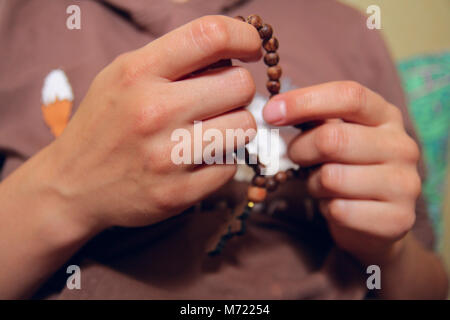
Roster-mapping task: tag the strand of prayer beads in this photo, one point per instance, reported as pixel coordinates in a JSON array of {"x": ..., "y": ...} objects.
[{"x": 261, "y": 185}]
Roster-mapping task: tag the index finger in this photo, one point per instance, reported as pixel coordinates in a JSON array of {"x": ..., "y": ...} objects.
[
  {"x": 198, "y": 44},
  {"x": 347, "y": 100}
]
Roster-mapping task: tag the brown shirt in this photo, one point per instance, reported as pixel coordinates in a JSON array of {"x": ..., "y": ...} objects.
[{"x": 288, "y": 255}]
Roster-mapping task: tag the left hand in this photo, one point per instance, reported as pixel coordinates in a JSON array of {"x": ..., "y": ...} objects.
[{"x": 367, "y": 180}]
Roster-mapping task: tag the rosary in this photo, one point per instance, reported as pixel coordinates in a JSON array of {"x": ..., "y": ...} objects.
[{"x": 261, "y": 185}]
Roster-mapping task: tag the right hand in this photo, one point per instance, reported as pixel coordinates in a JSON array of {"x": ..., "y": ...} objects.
[{"x": 113, "y": 160}]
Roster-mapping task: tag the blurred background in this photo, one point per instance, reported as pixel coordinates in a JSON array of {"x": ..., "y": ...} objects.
[
  {"x": 418, "y": 34},
  {"x": 412, "y": 27}
]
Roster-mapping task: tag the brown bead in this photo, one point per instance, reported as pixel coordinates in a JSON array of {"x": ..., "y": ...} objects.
[
  {"x": 271, "y": 59},
  {"x": 281, "y": 177},
  {"x": 259, "y": 181},
  {"x": 266, "y": 31},
  {"x": 256, "y": 194},
  {"x": 290, "y": 174},
  {"x": 241, "y": 18},
  {"x": 274, "y": 73},
  {"x": 273, "y": 86},
  {"x": 255, "y": 21},
  {"x": 271, "y": 184},
  {"x": 271, "y": 45}
]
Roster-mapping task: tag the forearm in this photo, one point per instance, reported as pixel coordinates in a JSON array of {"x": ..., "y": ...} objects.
[
  {"x": 39, "y": 229},
  {"x": 415, "y": 274}
]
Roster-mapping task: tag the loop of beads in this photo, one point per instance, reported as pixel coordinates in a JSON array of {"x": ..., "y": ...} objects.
[{"x": 261, "y": 185}]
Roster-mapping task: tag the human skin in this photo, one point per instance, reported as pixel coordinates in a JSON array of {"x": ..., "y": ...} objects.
[{"x": 365, "y": 180}]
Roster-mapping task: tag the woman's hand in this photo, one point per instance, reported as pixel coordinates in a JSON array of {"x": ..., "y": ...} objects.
[
  {"x": 366, "y": 177},
  {"x": 114, "y": 159},
  {"x": 112, "y": 164}
]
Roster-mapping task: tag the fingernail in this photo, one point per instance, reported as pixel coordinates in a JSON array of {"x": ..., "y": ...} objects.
[{"x": 275, "y": 111}]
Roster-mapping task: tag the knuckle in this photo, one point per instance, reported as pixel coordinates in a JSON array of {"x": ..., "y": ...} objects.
[
  {"x": 397, "y": 114},
  {"x": 159, "y": 160},
  {"x": 128, "y": 69},
  {"x": 330, "y": 177},
  {"x": 162, "y": 198},
  {"x": 410, "y": 150},
  {"x": 211, "y": 34},
  {"x": 403, "y": 223},
  {"x": 407, "y": 181},
  {"x": 355, "y": 94},
  {"x": 415, "y": 184},
  {"x": 121, "y": 58},
  {"x": 330, "y": 140},
  {"x": 151, "y": 118}
]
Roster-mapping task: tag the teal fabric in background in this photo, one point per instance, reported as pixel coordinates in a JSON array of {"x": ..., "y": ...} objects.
[{"x": 426, "y": 81}]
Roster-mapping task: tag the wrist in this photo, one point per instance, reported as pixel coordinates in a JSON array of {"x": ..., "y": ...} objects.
[{"x": 33, "y": 197}]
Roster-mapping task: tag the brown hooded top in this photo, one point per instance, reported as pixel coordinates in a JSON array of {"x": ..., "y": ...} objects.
[{"x": 288, "y": 255}]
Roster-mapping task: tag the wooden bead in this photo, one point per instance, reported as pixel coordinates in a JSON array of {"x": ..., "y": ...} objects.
[
  {"x": 273, "y": 86},
  {"x": 271, "y": 59},
  {"x": 241, "y": 18},
  {"x": 266, "y": 31},
  {"x": 256, "y": 194},
  {"x": 290, "y": 174},
  {"x": 281, "y": 177},
  {"x": 259, "y": 181},
  {"x": 271, "y": 184},
  {"x": 255, "y": 21},
  {"x": 271, "y": 45},
  {"x": 274, "y": 73}
]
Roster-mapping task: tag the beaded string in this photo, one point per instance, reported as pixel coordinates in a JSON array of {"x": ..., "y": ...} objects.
[{"x": 261, "y": 185}]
